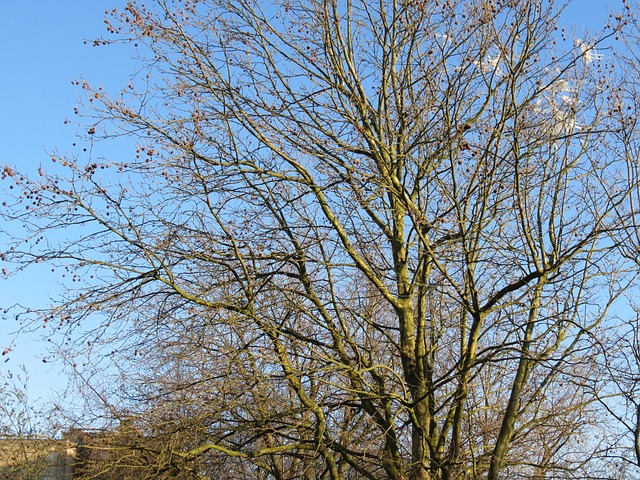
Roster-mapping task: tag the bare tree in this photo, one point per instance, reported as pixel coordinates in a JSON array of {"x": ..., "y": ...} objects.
[
  {"x": 28, "y": 449},
  {"x": 357, "y": 240}
]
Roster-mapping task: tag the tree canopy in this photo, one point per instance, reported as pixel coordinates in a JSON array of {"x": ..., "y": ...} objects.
[{"x": 357, "y": 240}]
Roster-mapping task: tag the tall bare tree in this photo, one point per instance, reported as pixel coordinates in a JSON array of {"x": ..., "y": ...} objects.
[{"x": 357, "y": 240}]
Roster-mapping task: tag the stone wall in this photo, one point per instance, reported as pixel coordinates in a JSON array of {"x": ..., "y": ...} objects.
[{"x": 36, "y": 459}]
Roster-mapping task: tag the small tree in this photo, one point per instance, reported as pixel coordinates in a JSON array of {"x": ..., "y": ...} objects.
[
  {"x": 356, "y": 240},
  {"x": 27, "y": 447}
]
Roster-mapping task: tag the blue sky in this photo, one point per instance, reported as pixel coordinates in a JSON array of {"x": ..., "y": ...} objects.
[{"x": 42, "y": 50}]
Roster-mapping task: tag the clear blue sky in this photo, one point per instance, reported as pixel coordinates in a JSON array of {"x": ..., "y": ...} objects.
[{"x": 41, "y": 51}]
